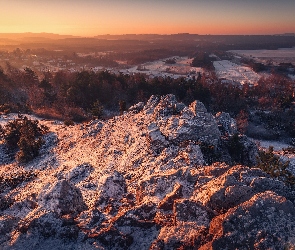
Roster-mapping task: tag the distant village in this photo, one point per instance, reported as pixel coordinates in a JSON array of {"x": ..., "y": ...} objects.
[{"x": 235, "y": 71}]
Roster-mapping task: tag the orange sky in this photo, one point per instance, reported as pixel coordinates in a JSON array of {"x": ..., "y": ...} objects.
[{"x": 94, "y": 17}]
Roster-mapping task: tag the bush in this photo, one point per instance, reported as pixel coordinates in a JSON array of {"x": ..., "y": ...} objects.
[
  {"x": 209, "y": 152},
  {"x": 272, "y": 164},
  {"x": 289, "y": 150},
  {"x": 69, "y": 123},
  {"x": 235, "y": 148},
  {"x": 96, "y": 110},
  {"x": 24, "y": 135},
  {"x": 12, "y": 179}
]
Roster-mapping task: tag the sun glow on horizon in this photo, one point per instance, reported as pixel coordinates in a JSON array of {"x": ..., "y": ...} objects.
[{"x": 90, "y": 18}]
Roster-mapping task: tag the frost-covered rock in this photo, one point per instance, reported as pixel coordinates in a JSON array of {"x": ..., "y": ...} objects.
[
  {"x": 266, "y": 221},
  {"x": 137, "y": 107},
  {"x": 186, "y": 235},
  {"x": 90, "y": 219},
  {"x": 249, "y": 152},
  {"x": 193, "y": 123},
  {"x": 7, "y": 224},
  {"x": 236, "y": 186},
  {"x": 142, "y": 181},
  {"x": 111, "y": 190},
  {"x": 157, "y": 187},
  {"x": 62, "y": 197},
  {"x": 79, "y": 173},
  {"x": 168, "y": 201},
  {"x": 226, "y": 124}
]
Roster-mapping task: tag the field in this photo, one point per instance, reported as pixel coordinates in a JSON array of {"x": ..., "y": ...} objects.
[
  {"x": 235, "y": 73},
  {"x": 181, "y": 68},
  {"x": 276, "y": 56}
]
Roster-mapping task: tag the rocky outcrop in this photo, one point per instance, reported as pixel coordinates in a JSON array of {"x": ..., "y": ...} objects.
[
  {"x": 191, "y": 123},
  {"x": 149, "y": 179},
  {"x": 266, "y": 221},
  {"x": 62, "y": 198},
  {"x": 226, "y": 124},
  {"x": 110, "y": 192}
]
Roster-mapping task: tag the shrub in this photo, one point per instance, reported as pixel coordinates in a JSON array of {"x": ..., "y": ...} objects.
[
  {"x": 289, "y": 150},
  {"x": 75, "y": 114},
  {"x": 12, "y": 180},
  {"x": 274, "y": 166},
  {"x": 96, "y": 110},
  {"x": 25, "y": 135},
  {"x": 122, "y": 107},
  {"x": 5, "y": 109},
  {"x": 69, "y": 122},
  {"x": 235, "y": 148},
  {"x": 209, "y": 152}
]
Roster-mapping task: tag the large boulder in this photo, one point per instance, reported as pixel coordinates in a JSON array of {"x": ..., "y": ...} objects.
[
  {"x": 111, "y": 190},
  {"x": 62, "y": 198},
  {"x": 189, "y": 228},
  {"x": 266, "y": 221},
  {"x": 226, "y": 124},
  {"x": 192, "y": 123},
  {"x": 235, "y": 186},
  {"x": 159, "y": 187}
]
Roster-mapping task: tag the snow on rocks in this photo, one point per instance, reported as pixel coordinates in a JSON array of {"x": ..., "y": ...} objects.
[
  {"x": 62, "y": 197},
  {"x": 140, "y": 181},
  {"x": 111, "y": 190},
  {"x": 226, "y": 124},
  {"x": 266, "y": 221}
]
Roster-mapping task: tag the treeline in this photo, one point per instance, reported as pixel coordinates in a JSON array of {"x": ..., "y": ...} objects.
[{"x": 83, "y": 95}]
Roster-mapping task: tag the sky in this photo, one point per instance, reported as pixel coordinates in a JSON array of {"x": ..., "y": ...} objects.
[{"x": 99, "y": 17}]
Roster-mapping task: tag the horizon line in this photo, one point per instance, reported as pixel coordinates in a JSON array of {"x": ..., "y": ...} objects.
[{"x": 139, "y": 34}]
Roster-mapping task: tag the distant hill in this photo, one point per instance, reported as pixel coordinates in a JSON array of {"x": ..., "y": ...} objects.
[
  {"x": 287, "y": 34},
  {"x": 33, "y": 36}
]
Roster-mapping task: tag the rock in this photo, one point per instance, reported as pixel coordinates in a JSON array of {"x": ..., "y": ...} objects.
[
  {"x": 266, "y": 221},
  {"x": 46, "y": 230},
  {"x": 155, "y": 139},
  {"x": 158, "y": 186},
  {"x": 167, "y": 202},
  {"x": 226, "y": 124},
  {"x": 111, "y": 190},
  {"x": 165, "y": 107},
  {"x": 191, "y": 154},
  {"x": 5, "y": 202},
  {"x": 90, "y": 219},
  {"x": 51, "y": 225},
  {"x": 112, "y": 238},
  {"x": 190, "y": 226},
  {"x": 7, "y": 224},
  {"x": 185, "y": 235},
  {"x": 215, "y": 170},
  {"x": 250, "y": 151},
  {"x": 185, "y": 210},
  {"x": 144, "y": 212},
  {"x": 151, "y": 104},
  {"x": 79, "y": 173},
  {"x": 139, "y": 224},
  {"x": 193, "y": 123},
  {"x": 137, "y": 107},
  {"x": 230, "y": 189},
  {"x": 262, "y": 184},
  {"x": 197, "y": 107},
  {"x": 62, "y": 197},
  {"x": 145, "y": 180},
  {"x": 178, "y": 107}
]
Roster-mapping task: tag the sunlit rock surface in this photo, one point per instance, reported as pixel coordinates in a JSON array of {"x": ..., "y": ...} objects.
[{"x": 142, "y": 181}]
